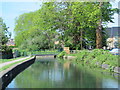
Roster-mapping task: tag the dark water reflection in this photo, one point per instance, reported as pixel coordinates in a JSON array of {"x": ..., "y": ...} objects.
[{"x": 53, "y": 74}]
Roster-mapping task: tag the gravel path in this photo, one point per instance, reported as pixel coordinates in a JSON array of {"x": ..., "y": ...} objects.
[{"x": 7, "y": 63}]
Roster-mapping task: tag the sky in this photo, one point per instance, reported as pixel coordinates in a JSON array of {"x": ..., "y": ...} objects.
[{"x": 10, "y": 9}]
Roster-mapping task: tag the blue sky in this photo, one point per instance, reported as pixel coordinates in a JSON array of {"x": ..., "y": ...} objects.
[{"x": 10, "y": 10}]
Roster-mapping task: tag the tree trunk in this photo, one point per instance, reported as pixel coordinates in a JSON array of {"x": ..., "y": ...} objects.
[
  {"x": 99, "y": 31},
  {"x": 99, "y": 36},
  {"x": 49, "y": 40},
  {"x": 81, "y": 37}
]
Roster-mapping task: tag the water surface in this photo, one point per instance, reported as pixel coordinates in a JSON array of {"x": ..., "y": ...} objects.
[{"x": 50, "y": 73}]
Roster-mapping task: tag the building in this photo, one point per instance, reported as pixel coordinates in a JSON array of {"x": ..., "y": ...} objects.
[
  {"x": 114, "y": 37},
  {"x": 10, "y": 42},
  {"x": 113, "y": 31}
]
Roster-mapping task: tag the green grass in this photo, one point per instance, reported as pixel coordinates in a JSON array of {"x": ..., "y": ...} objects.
[
  {"x": 9, "y": 65},
  {"x": 7, "y": 60},
  {"x": 60, "y": 55}
]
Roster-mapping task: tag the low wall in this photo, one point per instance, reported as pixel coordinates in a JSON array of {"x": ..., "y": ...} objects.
[
  {"x": 69, "y": 57},
  {"x": 6, "y": 78},
  {"x": 46, "y": 56}
]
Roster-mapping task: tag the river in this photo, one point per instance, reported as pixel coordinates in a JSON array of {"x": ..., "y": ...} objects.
[{"x": 50, "y": 73}]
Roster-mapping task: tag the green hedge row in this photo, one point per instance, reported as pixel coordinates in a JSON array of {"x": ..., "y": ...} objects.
[
  {"x": 18, "y": 53},
  {"x": 6, "y": 54}
]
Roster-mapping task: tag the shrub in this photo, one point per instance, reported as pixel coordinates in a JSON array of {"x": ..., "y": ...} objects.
[
  {"x": 63, "y": 53},
  {"x": 98, "y": 56},
  {"x": 7, "y": 54},
  {"x": 112, "y": 60},
  {"x": 83, "y": 54}
]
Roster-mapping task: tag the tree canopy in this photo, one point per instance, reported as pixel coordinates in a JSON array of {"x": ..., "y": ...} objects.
[
  {"x": 4, "y": 35},
  {"x": 74, "y": 24}
]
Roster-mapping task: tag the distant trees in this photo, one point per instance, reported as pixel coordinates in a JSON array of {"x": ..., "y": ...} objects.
[
  {"x": 5, "y": 51},
  {"x": 32, "y": 32},
  {"x": 75, "y": 24},
  {"x": 4, "y": 35}
]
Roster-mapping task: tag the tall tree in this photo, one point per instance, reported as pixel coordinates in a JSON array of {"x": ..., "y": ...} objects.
[
  {"x": 4, "y": 35},
  {"x": 75, "y": 24},
  {"x": 104, "y": 15}
]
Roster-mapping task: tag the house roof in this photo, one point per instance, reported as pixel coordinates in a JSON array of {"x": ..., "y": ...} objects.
[{"x": 10, "y": 43}]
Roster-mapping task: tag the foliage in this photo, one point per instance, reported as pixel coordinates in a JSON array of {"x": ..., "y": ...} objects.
[
  {"x": 4, "y": 35},
  {"x": 19, "y": 52},
  {"x": 7, "y": 54},
  {"x": 73, "y": 24},
  {"x": 12, "y": 46},
  {"x": 63, "y": 53},
  {"x": 97, "y": 57},
  {"x": 5, "y": 51},
  {"x": 29, "y": 34}
]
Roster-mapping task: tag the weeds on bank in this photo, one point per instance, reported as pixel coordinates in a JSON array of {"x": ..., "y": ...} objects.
[{"x": 95, "y": 57}]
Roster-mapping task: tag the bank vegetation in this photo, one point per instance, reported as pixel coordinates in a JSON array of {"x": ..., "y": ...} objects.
[{"x": 96, "y": 58}]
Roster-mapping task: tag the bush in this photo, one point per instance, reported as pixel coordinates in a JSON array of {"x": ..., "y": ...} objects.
[
  {"x": 7, "y": 54},
  {"x": 112, "y": 61},
  {"x": 82, "y": 55},
  {"x": 63, "y": 53},
  {"x": 19, "y": 53},
  {"x": 97, "y": 56}
]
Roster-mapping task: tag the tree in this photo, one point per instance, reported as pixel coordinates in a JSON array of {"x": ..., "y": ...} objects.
[
  {"x": 4, "y": 35},
  {"x": 75, "y": 24},
  {"x": 6, "y": 52},
  {"x": 34, "y": 30},
  {"x": 104, "y": 15}
]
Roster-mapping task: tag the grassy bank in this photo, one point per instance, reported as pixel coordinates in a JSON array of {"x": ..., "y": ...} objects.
[{"x": 95, "y": 58}]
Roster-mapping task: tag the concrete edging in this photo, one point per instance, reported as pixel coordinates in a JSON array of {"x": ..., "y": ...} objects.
[{"x": 9, "y": 74}]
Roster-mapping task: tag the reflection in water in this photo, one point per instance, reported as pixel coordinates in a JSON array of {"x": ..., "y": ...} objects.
[
  {"x": 52, "y": 74},
  {"x": 66, "y": 65},
  {"x": 110, "y": 83}
]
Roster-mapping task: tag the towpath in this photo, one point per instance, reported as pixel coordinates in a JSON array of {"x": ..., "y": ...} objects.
[{"x": 10, "y": 62}]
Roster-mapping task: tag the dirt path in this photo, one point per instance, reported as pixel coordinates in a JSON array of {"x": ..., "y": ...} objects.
[{"x": 7, "y": 63}]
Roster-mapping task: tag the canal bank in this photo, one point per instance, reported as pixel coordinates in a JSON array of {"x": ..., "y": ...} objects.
[
  {"x": 6, "y": 76},
  {"x": 114, "y": 69},
  {"x": 96, "y": 58}
]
